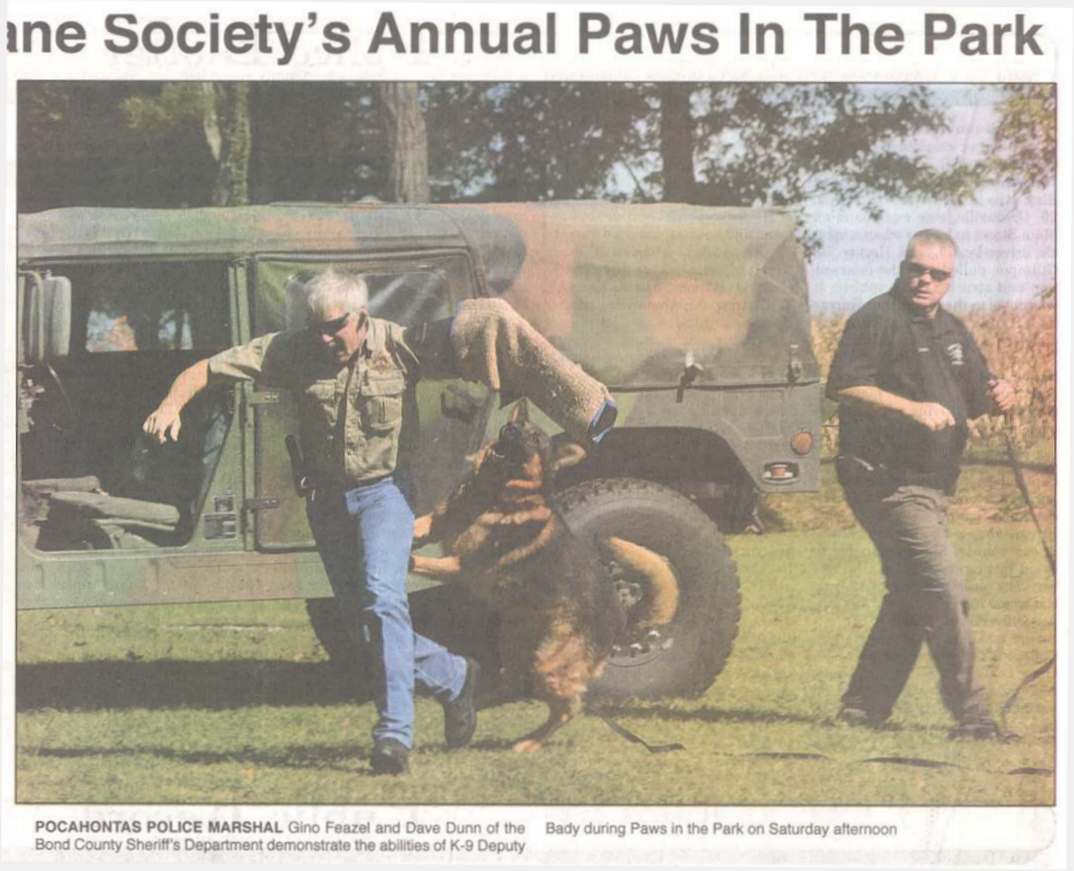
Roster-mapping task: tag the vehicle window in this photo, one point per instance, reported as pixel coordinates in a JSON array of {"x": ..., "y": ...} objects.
[
  {"x": 150, "y": 307},
  {"x": 405, "y": 296},
  {"x": 408, "y": 297}
]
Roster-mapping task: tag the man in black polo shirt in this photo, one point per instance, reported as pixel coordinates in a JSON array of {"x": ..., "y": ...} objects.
[{"x": 908, "y": 376}]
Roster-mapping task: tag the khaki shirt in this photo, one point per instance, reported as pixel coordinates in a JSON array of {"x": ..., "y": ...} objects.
[{"x": 356, "y": 423}]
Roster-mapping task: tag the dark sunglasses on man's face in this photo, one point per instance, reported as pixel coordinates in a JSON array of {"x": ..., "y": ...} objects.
[
  {"x": 916, "y": 270},
  {"x": 330, "y": 328}
]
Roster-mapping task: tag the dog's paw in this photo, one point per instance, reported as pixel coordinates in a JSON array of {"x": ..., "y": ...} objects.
[
  {"x": 423, "y": 527},
  {"x": 527, "y": 745}
]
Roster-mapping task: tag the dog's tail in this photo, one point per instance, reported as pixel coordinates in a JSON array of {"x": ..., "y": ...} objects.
[{"x": 663, "y": 598}]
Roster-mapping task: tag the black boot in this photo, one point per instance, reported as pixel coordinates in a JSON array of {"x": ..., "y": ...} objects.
[
  {"x": 389, "y": 757},
  {"x": 460, "y": 714}
]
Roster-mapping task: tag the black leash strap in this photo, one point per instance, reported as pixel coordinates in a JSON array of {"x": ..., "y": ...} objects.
[
  {"x": 1023, "y": 488},
  {"x": 1026, "y": 681},
  {"x": 624, "y": 732},
  {"x": 910, "y": 761}
]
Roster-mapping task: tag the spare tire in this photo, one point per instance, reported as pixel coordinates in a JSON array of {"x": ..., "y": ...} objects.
[{"x": 684, "y": 656}]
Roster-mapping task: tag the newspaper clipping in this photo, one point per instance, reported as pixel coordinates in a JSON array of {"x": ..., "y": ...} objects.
[{"x": 520, "y": 434}]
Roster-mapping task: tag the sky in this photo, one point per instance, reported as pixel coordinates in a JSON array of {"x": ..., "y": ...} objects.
[{"x": 1006, "y": 244}]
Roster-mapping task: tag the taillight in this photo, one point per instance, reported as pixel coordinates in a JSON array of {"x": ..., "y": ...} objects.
[{"x": 802, "y": 443}]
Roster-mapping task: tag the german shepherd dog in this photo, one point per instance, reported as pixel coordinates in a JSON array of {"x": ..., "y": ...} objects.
[{"x": 505, "y": 541}]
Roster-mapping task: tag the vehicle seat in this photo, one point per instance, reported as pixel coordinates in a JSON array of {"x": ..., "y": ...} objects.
[
  {"x": 74, "y": 513},
  {"x": 78, "y": 514},
  {"x": 114, "y": 521}
]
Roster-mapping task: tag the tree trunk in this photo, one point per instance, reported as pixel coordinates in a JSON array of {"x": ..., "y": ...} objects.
[
  {"x": 226, "y": 122},
  {"x": 677, "y": 143},
  {"x": 408, "y": 143}
]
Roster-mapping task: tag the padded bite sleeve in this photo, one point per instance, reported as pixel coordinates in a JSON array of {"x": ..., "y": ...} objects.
[{"x": 493, "y": 344}]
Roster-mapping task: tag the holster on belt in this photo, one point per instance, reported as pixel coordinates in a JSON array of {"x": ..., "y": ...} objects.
[
  {"x": 861, "y": 476},
  {"x": 302, "y": 482}
]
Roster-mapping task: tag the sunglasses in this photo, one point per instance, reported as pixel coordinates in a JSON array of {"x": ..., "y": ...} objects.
[
  {"x": 330, "y": 328},
  {"x": 916, "y": 270}
]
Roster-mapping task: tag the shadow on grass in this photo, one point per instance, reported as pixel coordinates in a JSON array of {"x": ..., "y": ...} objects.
[
  {"x": 222, "y": 685},
  {"x": 301, "y": 756},
  {"x": 707, "y": 714},
  {"x": 704, "y": 714},
  {"x": 183, "y": 684}
]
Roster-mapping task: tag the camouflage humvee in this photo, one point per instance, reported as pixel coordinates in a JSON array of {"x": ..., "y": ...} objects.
[{"x": 696, "y": 318}]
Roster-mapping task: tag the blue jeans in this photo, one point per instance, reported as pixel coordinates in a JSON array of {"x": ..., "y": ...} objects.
[{"x": 364, "y": 537}]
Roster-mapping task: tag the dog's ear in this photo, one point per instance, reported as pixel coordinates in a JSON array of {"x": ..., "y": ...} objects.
[
  {"x": 520, "y": 414},
  {"x": 567, "y": 454}
]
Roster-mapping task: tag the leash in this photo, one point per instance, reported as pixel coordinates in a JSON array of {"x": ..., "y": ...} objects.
[
  {"x": 911, "y": 761},
  {"x": 624, "y": 732},
  {"x": 1020, "y": 479}
]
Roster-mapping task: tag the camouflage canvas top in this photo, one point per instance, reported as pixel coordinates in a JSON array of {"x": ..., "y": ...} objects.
[{"x": 625, "y": 290}]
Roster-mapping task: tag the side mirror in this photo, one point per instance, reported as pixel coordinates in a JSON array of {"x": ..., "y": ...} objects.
[
  {"x": 44, "y": 317},
  {"x": 31, "y": 327},
  {"x": 57, "y": 311}
]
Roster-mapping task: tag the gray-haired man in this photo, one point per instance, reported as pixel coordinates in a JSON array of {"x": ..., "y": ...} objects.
[
  {"x": 908, "y": 376},
  {"x": 354, "y": 378}
]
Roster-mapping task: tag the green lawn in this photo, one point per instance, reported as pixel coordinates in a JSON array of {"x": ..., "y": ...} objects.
[{"x": 235, "y": 703}]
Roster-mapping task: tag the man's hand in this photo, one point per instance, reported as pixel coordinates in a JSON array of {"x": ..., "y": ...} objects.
[
  {"x": 162, "y": 424},
  {"x": 931, "y": 415},
  {"x": 1002, "y": 393}
]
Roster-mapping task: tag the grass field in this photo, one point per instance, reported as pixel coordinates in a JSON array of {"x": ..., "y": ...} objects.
[{"x": 236, "y": 703}]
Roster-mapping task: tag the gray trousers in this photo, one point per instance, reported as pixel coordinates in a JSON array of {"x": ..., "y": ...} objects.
[{"x": 925, "y": 601}]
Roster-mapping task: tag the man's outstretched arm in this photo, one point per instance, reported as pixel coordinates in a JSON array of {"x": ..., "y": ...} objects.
[
  {"x": 931, "y": 415},
  {"x": 165, "y": 423}
]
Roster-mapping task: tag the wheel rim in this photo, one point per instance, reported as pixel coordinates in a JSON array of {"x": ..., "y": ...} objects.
[{"x": 636, "y": 646}]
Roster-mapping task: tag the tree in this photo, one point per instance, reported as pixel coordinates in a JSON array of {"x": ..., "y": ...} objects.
[
  {"x": 534, "y": 141},
  {"x": 226, "y": 120},
  {"x": 407, "y": 143},
  {"x": 1023, "y": 153},
  {"x": 76, "y": 147},
  {"x": 677, "y": 143},
  {"x": 714, "y": 144},
  {"x": 221, "y": 110}
]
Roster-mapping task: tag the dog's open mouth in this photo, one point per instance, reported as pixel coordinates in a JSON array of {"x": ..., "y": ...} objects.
[{"x": 508, "y": 450}]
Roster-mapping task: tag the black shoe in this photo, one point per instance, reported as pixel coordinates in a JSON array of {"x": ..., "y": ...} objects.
[
  {"x": 977, "y": 729},
  {"x": 460, "y": 714},
  {"x": 389, "y": 757},
  {"x": 859, "y": 717}
]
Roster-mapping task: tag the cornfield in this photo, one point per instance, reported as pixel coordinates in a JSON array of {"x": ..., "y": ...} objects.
[{"x": 1019, "y": 344}]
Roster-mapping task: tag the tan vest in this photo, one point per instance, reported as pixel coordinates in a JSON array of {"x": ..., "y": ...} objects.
[{"x": 356, "y": 423}]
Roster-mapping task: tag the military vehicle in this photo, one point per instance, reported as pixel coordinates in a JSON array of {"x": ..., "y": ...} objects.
[{"x": 696, "y": 318}]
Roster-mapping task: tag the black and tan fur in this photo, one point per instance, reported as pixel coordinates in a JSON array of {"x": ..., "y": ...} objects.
[{"x": 504, "y": 540}]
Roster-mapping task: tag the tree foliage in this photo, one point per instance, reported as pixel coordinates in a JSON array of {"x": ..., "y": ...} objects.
[
  {"x": 1023, "y": 153},
  {"x": 532, "y": 141},
  {"x": 221, "y": 111},
  {"x": 712, "y": 144},
  {"x": 753, "y": 144},
  {"x": 77, "y": 147}
]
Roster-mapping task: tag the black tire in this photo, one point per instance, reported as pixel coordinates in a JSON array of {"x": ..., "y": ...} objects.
[{"x": 685, "y": 656}]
